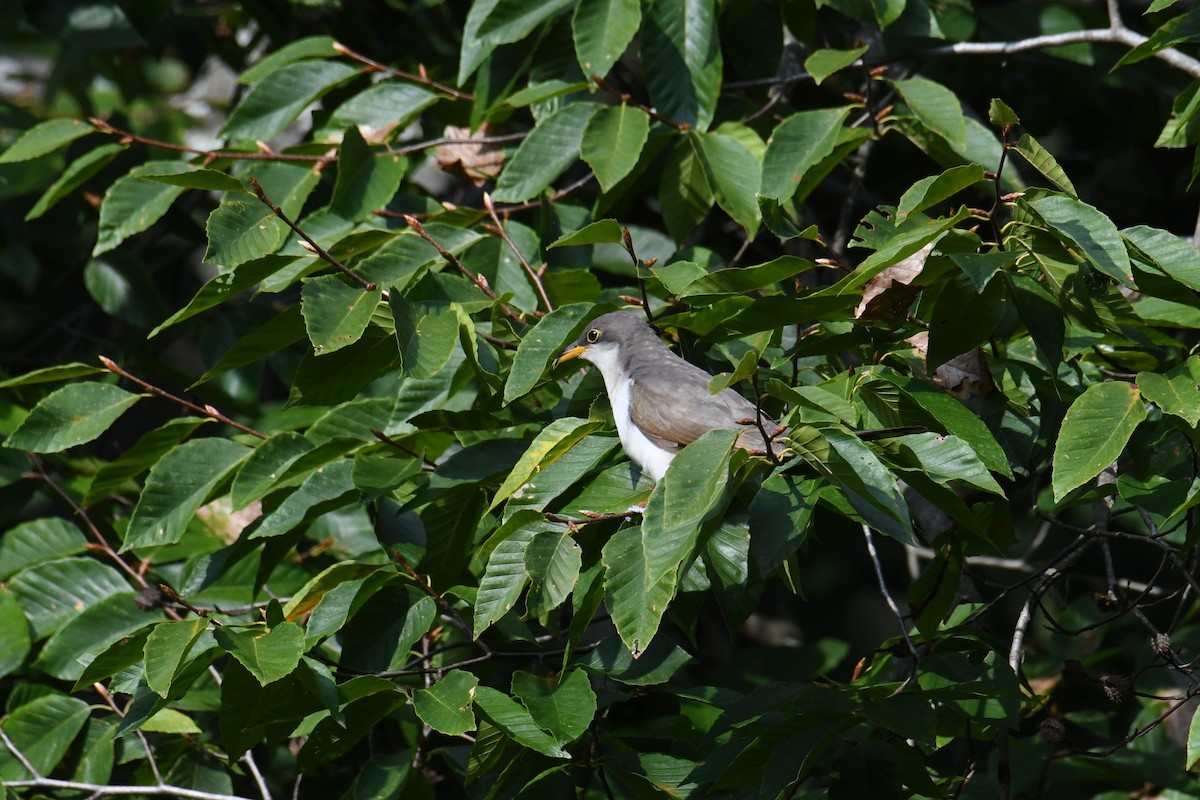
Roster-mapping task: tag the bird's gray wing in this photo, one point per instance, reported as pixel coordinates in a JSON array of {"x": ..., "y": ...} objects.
[{"x": 676, "y": 413}]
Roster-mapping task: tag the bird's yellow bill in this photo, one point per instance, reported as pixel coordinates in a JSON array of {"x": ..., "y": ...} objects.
[{"x": 569, "y": 353}]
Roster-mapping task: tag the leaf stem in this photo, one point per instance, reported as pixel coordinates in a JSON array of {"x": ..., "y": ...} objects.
[{"x": 498, "y": 229}]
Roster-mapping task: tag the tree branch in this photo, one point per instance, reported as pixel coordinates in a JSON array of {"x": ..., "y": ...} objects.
[{"x": 534, "y": 276}]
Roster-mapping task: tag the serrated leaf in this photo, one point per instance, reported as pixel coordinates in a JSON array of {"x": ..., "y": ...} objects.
[
  {"x": 505, "y": 577},
  {"x": 612, "y": 142},
  {"x": 641, "y": 566},
  {"x": 1174, "y": 255},
  {"x": 681, "y": 60},
  {"x": 308, "y": 47},
  {"x": 733, "y": 173},
  {"x": 242, "y": 229},
  {"x": 69, "y": 416},
  {"x": 737, "y": 281},
  {"x": 15, "y": 642},
  {"x": 602, "y": 231},
  {"x": 550, "y": 442},
  {"x": 390, "y": 105},
  {"x": 327, "y": 484},
  {"x": 1000, "y": 115},
  {"x": 269, "y": 654},
  {"x": 209, "y": 180},
  {"x": 166, "y": 648},
  {"x": 131, "y": 205},
  {"x": 59, "y": 372},
  {"x": 1092, "y": 233},
  {"x": 336, "y": 312},
  {"x": 176, "y": 487},
  {"x": 684, "y": 193},
  {"x": 37, "y": 541},
  {"x": 1040, "y": 159},
  {"x": 823, "y": 63},
  {"x": 602, "y": 30},
  {"x": 45, "y": 137},
  {"x": 511, "y": 717},
  {"x": 43, "y": 729},
  {"x": 540, "y": 345},
  {"x": 1176, "y": 392},
  {"x": 447, "y": 706},
  {"x": 935, "y": 107},
  {"x": 799, "y": 143},
  {"x": 279, "y": 97},
  {"x": 74, "y": 176},
  {"x": 930, "y": 191},
  {"x": 1094, "y": 433},
  {"x": 549, "y": 149},
  {"x": 427, "y": 334},
  {"x": 512, "y": 20},
  {"x": 366, "y": 180},
  {"x": 53, "y": 592},
  {"x": 553, "y": 561},
  {"x": 89, "y": 633},
  {"x": 564, "y": 706}
]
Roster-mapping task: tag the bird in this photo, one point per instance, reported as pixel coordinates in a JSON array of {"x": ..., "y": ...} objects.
[{"x": 660, "y": 401}]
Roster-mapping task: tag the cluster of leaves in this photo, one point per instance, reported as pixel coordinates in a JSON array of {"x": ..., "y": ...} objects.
[{"x": 385, "y": 547}]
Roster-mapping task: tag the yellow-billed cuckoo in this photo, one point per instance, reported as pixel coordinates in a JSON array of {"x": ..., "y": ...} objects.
[{"x": 659, "y": 401}]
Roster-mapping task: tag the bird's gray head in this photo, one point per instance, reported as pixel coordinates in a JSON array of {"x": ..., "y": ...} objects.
[{"x": 605, "y": 335}]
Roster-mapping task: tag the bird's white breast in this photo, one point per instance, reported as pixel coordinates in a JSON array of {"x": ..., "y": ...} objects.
[{"x": 649, "y": 456}]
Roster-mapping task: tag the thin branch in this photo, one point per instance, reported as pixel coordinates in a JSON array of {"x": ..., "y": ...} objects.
[
  {"x": 256, "y": 774},
  {"x": 207, "y": 410},
  {"x": 627, "y": 242},
  {"x": 437, "y": 597},
  {"x": 625, "y": 98},
  {"x": 533, "y": 274},
  {"x": 554, "y": 198},
  {"x": 417, "y": 147},
  {"x": 426, "y": 464},
  {"x": 420, "y": 78},
  {"x": 452, "y": 259},
  {"x": 312, "y": 245},
  {"x": 16, "y": 751},
  {"x": 211, "y": 155},
  {"x": 887, "y": 595}
]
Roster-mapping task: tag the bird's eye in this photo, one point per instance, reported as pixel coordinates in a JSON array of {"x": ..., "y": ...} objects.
[{"x": 593, "y": 335}]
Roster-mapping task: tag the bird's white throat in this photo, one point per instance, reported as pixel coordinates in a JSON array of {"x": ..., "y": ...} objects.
[{"x": 649, "y": 456}]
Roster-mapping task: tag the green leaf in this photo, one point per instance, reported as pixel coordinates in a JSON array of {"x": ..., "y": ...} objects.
[
  {"x": 1176, "y": 392},
  {"x": 823, "y": 63},
  {"x": 681, "y": 60},
  {"x": 779, "y": 519},
  {"x": 427, "y": 334},
  {"x": 89, "y": 633},
  {"x": 328, "y": 484},
  {"x": 45, "y": 137},
  {"x": 168, "y": 720},
  {"x": 447, "y": 706},
  {"x": 949, "y": 458},
  {"x": 43, "y": 730},
  {"x": 308, "y": 47},
  {"x": 1094, "y": 433},
  {"x": 733, "y": 173},
  {"x": 684, "y": 192},
  {"x": 549, "y": 149},
  {"x": 268, "y": 654},
  {"x": 549, "y": 444},
  {"x": 60, "y": 372},
  {"x": 389, "y": 105},
  {"x": 176, "y": 487},
  {"x": 131, "y": 205},
  {"x": 166, "y": 649},
  {"x": 553, "y": 561},
  {"x": 602, "y": 231},
  {"x": 737, "y": 281},
  {"x": 242, "y": 229},
  {"x": 641, "y": 567},
  {"x": 612, "y": 142},
  {"x": 935, "y": 107},
  {"x": 655, "y": 666},
  {"x": 209, "y": 180},
  {"x": 799, "y": 143},
  {"x": 1040, "y": 159},
  {"x": 336, "y": 312},
  {"x": 53, "y": 592},
  {"x": 540, "y": 345},
  {"x": 366, "y": 180},
  {"x": 1000, "y": 115},
  {"x": 14, "y": 635},
  {"x": 279, "y": 97},
  {"x": 75, "y": 414},
  {"x": 266, "y": 466},
  {"x": 1193, "y": 742},
  {"x": 980, "y": 267},
  {"x": 74, "y": 176},
  {"x": 222, "y": 288},
  {"x": 1090, "y": 231},
  {"x": 505, "y": 577},
  {"x": 285, "y": 328},
  {"x": 512, "y": 20},
  {"x": 1174, "y": 255},
  {"x": 37, "y": 541},
  {"x": 563, "y": 706},
  {"x": 930, "y": 191},
  {"x": 511, "y": 717},
  {"x": 602, "y": 30}
]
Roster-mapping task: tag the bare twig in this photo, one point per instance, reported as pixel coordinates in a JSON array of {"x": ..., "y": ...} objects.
[
  {"x": 312, "y": 245},
  {"x": 211, "y": 155},
  {"x": 624, "y": 97},
  {"x": 450, "y": 610},
  {"x": 452, "y": 259},
  {"x": 207, "y": 410},
  {"x": 421, "y": 78},
  {"x": 627, "y": 242},
  {"x": 887, "y": 595},
  {"x": 534, "y": 275},
  {"x": 417, "y": 147}
]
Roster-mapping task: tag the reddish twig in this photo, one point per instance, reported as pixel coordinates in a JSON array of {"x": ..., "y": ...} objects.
[
  {"x": 624, "y": 97},
  {"x": 311, "y": 245},
  {"x": 437, "y": 597},
  {"x": 452, "y": 259},
  {"x": 627, "y": 242},
  {"x": 206, "y": 410},
  {"x": 420, "y": 78},
  {"x": 265, "y": 154},
  {"x": 534, "y": 275},
  {"x": 426, "y": 464}
]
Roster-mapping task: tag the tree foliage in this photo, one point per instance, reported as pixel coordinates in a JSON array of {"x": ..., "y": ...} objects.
[{"x": 294, "y": 503}]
